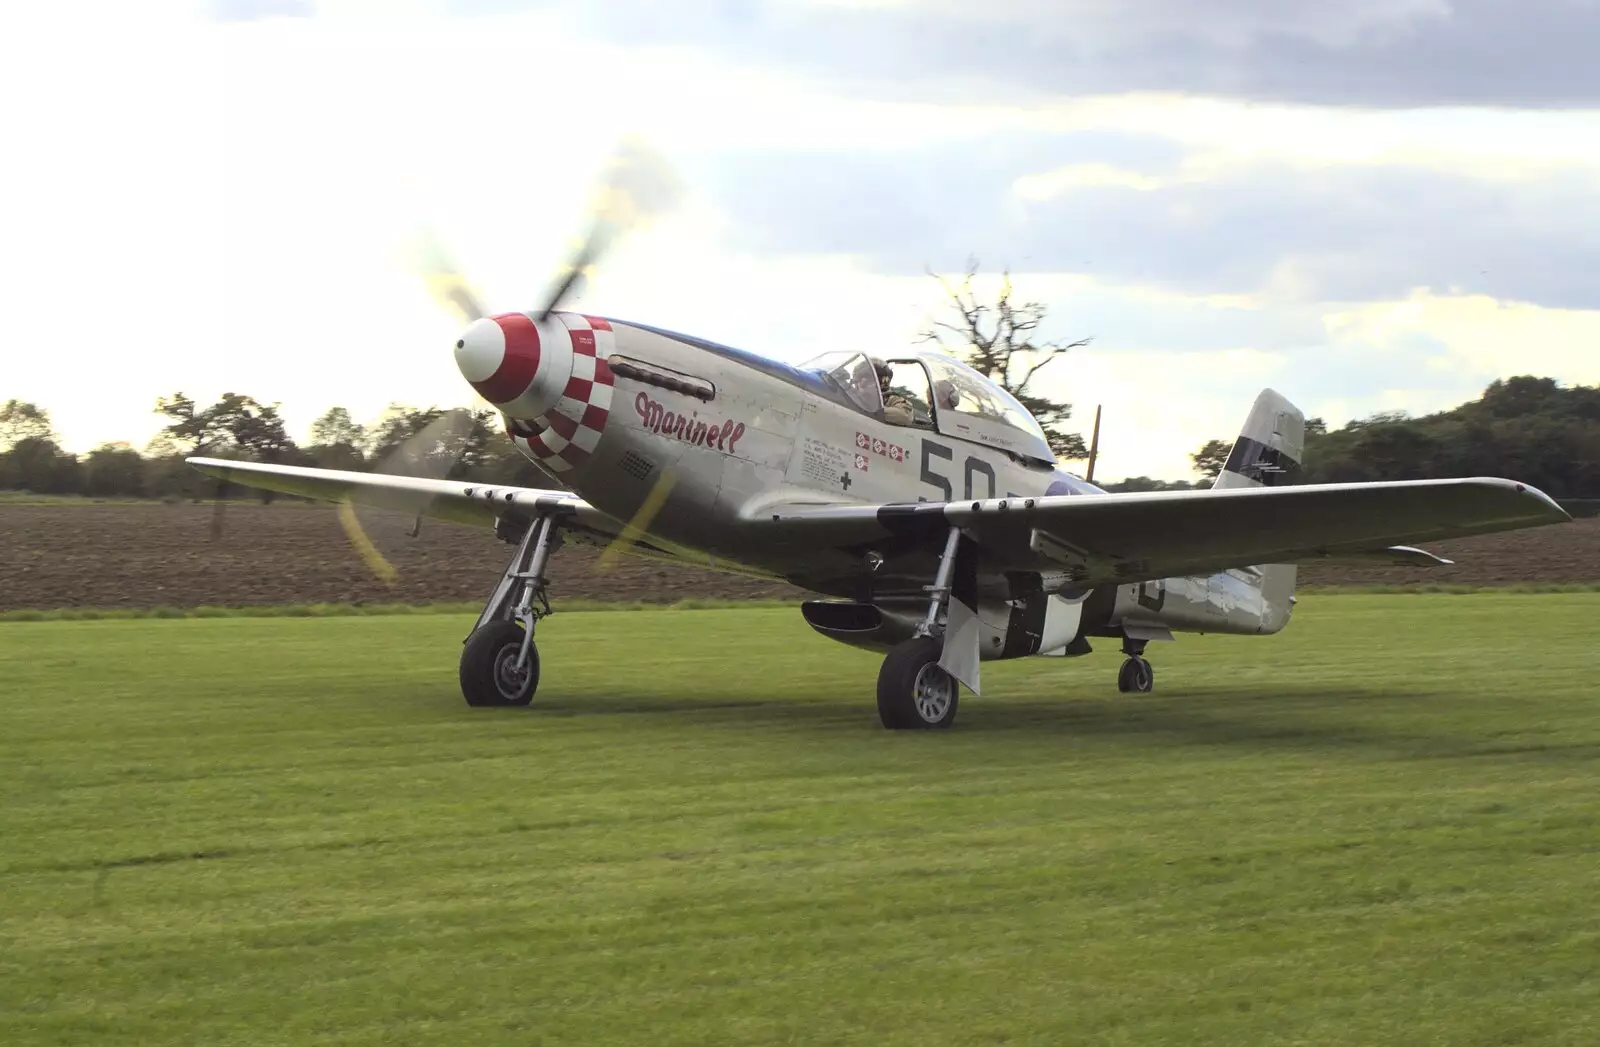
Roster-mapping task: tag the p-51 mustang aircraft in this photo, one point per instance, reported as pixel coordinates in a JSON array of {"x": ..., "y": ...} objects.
[
  {"x": 941, "y": 530},
  {"x": 946, "y": 541}
]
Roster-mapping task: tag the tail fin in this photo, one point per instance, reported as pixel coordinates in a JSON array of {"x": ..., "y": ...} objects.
[
  {"x": 1267, "y": 454},
  {"x": 1269, "y": 447}
]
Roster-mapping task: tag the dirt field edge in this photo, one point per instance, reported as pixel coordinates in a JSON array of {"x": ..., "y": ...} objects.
[{"x": 153, "y": 556}]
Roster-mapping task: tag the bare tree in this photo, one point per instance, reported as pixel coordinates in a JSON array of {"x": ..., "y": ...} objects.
[{"x": 999, "y": 341}]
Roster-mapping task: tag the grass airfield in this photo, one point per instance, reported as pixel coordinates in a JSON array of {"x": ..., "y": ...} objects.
[{"x": 1381, "y": 826}]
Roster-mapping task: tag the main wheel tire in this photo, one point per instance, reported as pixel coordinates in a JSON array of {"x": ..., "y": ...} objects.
[
  {"x": 913, "y": 692},
  {"x": 489, "y": 676},
  {"x": 1137, "y": 676}
]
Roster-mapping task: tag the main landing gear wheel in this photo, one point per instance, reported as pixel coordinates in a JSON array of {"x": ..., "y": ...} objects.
[
  {"x": 1136, "y": 677},
  {"x": 489, "y": 673},
  {"x": 493, "y": 669},
  {"x": 913, "y": 692}
]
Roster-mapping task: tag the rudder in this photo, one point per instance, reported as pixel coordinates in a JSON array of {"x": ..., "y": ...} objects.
[
  {"x": 1268, "y": 454},
  {"x": 1269, "y": 448}
]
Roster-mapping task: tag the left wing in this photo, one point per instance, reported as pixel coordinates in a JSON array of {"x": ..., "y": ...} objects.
[{"x": 1168, "y": 534}]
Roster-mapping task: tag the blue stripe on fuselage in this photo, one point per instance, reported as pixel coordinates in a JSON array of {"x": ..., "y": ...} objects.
[{"x": 808, "y": 380}]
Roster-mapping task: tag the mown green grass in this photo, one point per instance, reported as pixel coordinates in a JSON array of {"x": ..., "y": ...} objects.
[{"x": 1380, "y": 827}]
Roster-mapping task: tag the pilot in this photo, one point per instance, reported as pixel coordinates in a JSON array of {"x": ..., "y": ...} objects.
[{"x": 896, "y": 408}]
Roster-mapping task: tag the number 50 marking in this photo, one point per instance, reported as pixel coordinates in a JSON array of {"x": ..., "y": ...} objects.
[{"x": 932, "y": 449}]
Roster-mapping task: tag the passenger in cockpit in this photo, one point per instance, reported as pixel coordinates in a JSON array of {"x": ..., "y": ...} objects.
[{"x": 896, "y": 408}]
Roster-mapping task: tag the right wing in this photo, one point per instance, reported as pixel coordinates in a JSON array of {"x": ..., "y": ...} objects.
[{"x": 477, "y": 504}]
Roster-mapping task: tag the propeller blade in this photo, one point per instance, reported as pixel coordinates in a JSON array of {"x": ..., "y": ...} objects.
[
  {"x": 218, "y": 507},
  {"x": 640, "y": 523},
  {"x": 445, "y": 282},
  {"x": 431, "y": 452},
  {"x": 637, "y": 188},
  {"x": 375, "y": 560}
]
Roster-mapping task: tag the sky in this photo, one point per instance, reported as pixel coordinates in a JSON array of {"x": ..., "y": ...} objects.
[{"x": 1370, "y": 206}]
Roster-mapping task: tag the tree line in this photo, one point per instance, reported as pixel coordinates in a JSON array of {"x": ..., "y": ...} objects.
[
  {"x": 1529, "y": 429},
  {"x": 239, "y": 426}
]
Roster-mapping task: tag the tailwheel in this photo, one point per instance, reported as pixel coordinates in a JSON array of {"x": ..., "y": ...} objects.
[
  {"x": 1136, "y": 677},
  {"x": 490, "y": 671},
  {"x": 913, "y": 692}
]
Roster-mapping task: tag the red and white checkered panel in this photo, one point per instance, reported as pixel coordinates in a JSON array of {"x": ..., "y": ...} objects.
[{"x": 568, "y": 433}]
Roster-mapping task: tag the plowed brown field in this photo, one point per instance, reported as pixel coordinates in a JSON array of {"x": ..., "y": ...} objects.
[{"x": 148, "y": 555}]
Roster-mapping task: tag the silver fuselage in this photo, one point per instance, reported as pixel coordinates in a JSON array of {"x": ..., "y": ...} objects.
[{"x": 774, "y": 435}]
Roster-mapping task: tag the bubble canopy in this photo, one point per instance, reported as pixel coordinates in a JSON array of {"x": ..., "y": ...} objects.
[{"x": 958, "y": 390}]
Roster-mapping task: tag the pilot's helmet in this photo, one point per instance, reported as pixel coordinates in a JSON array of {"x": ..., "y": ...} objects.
[{"x": 881, "y": 366}]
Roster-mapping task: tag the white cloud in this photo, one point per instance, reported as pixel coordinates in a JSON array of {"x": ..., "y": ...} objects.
[
  {"x": 1481, "y": 338},
  {"x": 1036, "y": 187},
  {"x": 1222, "y": 132},
  {"x": 226, "y": 207}
]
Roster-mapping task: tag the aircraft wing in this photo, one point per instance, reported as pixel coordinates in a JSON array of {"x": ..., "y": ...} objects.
[
  {"x": 468, "y": 503},
  {"x": 1167, "y": 534}
]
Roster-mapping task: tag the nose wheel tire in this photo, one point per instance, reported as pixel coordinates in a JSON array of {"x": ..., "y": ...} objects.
[
  {"x": 1136, "y": 677},
  {"x": 489, "y": 673},
  {"x": 913, "y": 692}
]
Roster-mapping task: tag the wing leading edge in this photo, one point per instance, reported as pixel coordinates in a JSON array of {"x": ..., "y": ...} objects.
[
  {"x": 467, "y": 503},
  {"x": 1166, "y": 534}
]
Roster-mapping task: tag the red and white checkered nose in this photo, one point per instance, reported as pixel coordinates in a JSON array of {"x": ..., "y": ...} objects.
[
  {"x": 549, "y": 379},
  {"x": 515, "y": 363}
]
